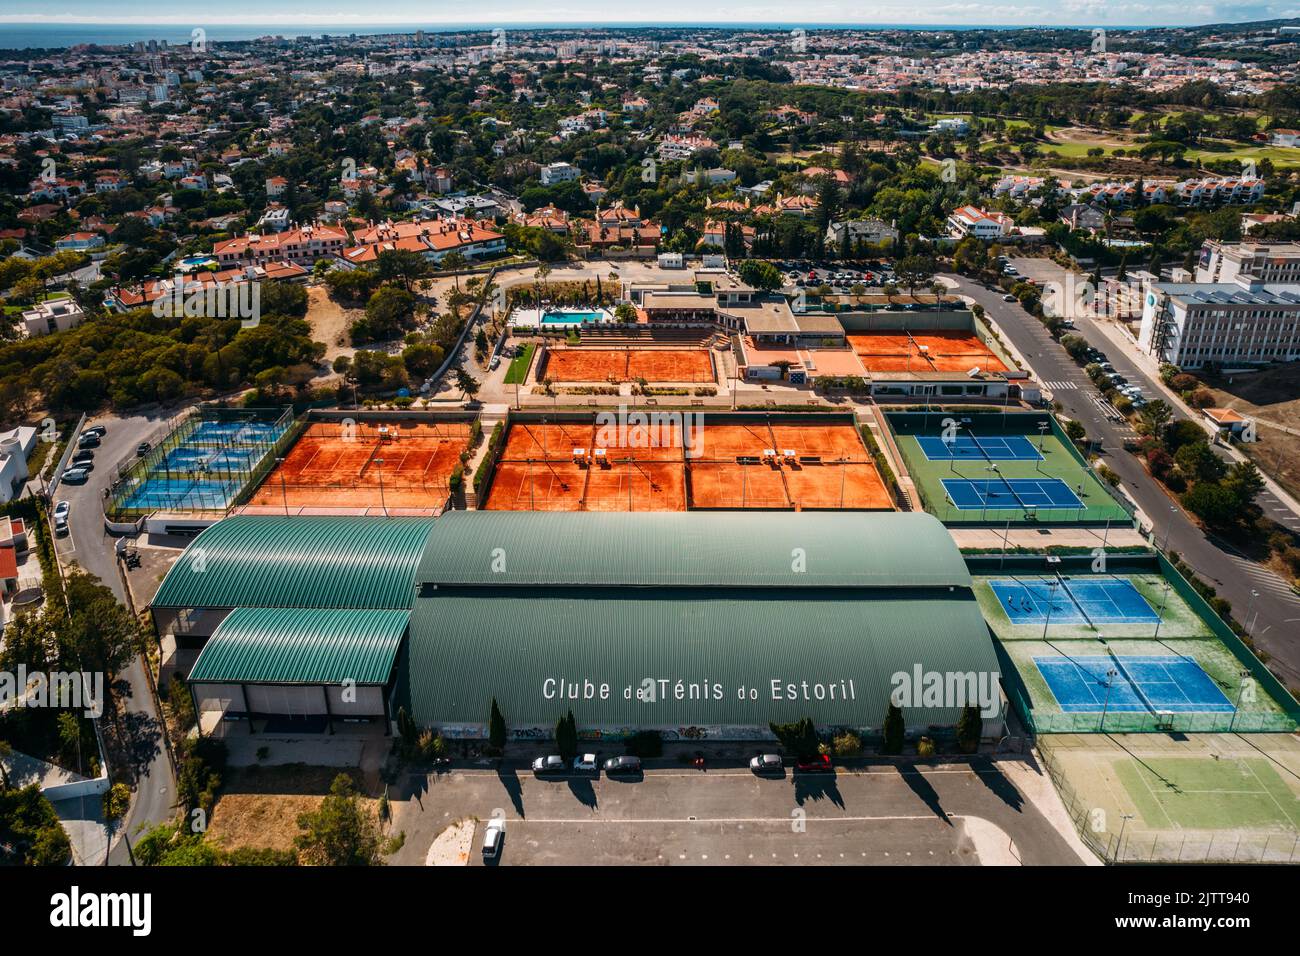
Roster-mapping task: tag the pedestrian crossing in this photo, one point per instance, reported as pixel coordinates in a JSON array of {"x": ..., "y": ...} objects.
[
  {"x": 1261, "y": 579},
  {"x": 1060, "y": 386}
]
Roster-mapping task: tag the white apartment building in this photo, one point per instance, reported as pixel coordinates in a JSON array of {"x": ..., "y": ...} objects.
[{"x": 1242, "y": 310}]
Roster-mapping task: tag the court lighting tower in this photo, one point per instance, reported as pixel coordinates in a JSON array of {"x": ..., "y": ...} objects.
[{"x": 1110, "y": 682}]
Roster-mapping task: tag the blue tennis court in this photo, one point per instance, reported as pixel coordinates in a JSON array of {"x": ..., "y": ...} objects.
[
  {"x": 182, "y": 494},
  {"x": 1073, "y": 601},
  {"x": 971, "y": 447},
  {"x": 969, "y": 494},
  {"x": 1175, "y": 684}
]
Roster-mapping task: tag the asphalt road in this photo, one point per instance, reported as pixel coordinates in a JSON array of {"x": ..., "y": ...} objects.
[
  {"x": 1260, "y": 599},
  {"x": 883, "y": 815},
  {"x": 89, "y": 545}
]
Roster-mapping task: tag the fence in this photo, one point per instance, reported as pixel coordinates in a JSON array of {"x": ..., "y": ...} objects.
[
  {"x": 1131, "y": 845},
  {"x": 244, "y": 460}
]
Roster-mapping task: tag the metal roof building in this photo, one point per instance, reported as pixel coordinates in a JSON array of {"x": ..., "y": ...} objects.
[{"x": 696, "y": 625}]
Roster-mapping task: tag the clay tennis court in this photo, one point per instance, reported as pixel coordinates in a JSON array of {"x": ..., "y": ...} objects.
[
  {"x": 854, "y": 486},
  {"x": 537, "y": 486},
  {"x": 945, "y": 350},
  {"x": 636, "y": 486},
  {"x": 731, "y": 486},
  {"x": 550, "y": 441},
  {"x": 628, "y": 364},
  {"x": 646, "y": 468},
  {"x": 359, "y": 467}
]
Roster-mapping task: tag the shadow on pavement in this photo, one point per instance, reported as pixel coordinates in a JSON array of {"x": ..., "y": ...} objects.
[
  {"x": 817, "y": 786},
  {"x": 992, "y": 777},
  {"x": 922, "y": 788}
]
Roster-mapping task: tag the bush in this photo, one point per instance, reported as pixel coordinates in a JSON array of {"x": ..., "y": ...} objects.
[
  {"x": 846, "y": 744},
  {"x": 925, "y": 747}
]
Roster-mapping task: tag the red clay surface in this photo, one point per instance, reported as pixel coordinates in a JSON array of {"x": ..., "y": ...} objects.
[
  {"x": 732, "y": 486},
  {"x": 946, "y": 350},
  {"x": 628, "y": 364},
  {"x": 329, "y": 467},
  {"x": 537, "y": 486},
  {"x": 636, "y": 486},
  {"x": 647, "y": 469}
]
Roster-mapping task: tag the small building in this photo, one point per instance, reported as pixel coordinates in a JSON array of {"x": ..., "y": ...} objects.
[{"x": 53, "y": 315}]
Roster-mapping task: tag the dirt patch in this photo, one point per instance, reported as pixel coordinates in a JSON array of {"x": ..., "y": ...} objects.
[
  {"x": 258, "y": 807},
  {"x": 452, "y": 846},
  {"x": 330, "y": 322},
  {"x": 1271, "y": 397}
]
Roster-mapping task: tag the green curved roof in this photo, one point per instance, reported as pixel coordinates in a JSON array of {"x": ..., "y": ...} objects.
[
  {"x": 295, "y": 646},
  {"x": 299, "y": 562},
  {"x": 695, "y": 549}
]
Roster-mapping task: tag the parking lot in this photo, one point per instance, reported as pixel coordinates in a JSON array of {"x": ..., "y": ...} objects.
[{"x": 883, "y": 815}]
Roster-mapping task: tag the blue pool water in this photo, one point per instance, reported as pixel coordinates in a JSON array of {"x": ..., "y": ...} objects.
[{"x": 572, "y": 318}]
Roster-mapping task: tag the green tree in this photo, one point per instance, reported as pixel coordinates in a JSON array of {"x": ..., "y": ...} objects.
[
  {"x": 894, "y": 730},
  {"x": 1214, "y": 504},
  {"x": 970, "y": 726},
  {"x": 340, "y": 832},
  {"x": 798, "y": 737},
  {"x": 1198, "y": 462},
  {"x": 566, "y": 736},
  {"x": 1155, "y": 415},
  {"x": 761, "y": 275},
  {"x": 496, "y": 728}
]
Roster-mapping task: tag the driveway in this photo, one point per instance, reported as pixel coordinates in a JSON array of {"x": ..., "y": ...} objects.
[
  {"x": 1260, "y": 599},
  {"x": 87, "y": 544}
]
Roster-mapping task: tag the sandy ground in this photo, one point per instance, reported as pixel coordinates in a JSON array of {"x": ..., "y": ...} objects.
[
  {"x": 452, "y": 846},
  {"x": 1271, "y": 397},
  {"x": 259, "y": 807},
  {"x": 330, "y": 322}
]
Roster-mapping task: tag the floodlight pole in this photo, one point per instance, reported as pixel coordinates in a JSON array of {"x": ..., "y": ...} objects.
[
  {"x": 284, "y": 495},
  {"x": 1119, "y": 844},
  {"x": 1051, "y": 597},
  {"x": 1242, "y": 677},
  {"x": 382, "y": 503},
  {"x": 1006, "y": 533},
  {"x": 1160, "y": 615},
  {"x": 1110, "y": 682}
]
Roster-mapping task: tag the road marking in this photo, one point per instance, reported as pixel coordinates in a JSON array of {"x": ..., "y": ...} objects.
[{"x": 1061, "y": 386}]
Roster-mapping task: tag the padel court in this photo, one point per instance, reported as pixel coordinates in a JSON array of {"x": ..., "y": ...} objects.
[{"x": 1067, "y": 601}]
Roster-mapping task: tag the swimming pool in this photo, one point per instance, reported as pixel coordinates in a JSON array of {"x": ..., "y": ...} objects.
[{"x": 573, "y": 318}]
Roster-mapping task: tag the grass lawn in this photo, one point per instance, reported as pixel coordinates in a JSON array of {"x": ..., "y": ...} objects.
[{"x": 519, "y": 365}]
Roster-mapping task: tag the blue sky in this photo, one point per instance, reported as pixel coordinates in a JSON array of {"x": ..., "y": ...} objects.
[{"x": 343, "y": 13}]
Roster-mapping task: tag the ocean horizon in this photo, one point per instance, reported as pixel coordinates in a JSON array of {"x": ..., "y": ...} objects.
[{"x": 52, "y": 36}]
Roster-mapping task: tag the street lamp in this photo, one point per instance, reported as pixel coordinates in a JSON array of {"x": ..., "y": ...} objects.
[
  {"x": 1051, "y": 599},
  {"x": 1110, "y": 682},
  {"x": 1119, "y": 844},
  {"x": 284, "y": 495},
  {"x": 382, "y": 503}
]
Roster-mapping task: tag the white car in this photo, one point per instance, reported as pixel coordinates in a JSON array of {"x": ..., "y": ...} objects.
[
  {"x": 493, "y": 837},
  {"x": 585, "y": 762},
  {"x": 60, "y": 516}
]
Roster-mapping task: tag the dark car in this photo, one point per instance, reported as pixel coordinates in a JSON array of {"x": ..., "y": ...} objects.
[
  {"x": 818, "y": 764},
  {"x": 99, "y": 430},
  {"x": 143, "y": 448},
  {"x": 90, "y": 440},
  {"x": 552, "y": 764},
  {"x": 83, "y": 456},
  {"x": 623, "y": 765}
]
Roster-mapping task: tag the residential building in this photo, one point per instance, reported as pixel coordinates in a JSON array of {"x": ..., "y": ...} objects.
[{"x": 973, "y": 221}]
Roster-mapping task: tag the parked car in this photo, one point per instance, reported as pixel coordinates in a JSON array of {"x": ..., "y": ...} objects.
[
  {"x": 88, "y": 441},
  {"x": 143, "y": 448},
  {"x": 84, "y": 455},
  {"x": 1008, "y": 298},
  {"x": 767, "y": 763},
  {"x": 626, "y": 764},
  {"x": 818, "y": 764},
  {"x": 76, "y": 476},
  {"x": 493, "y": 837},
  {"x": 553, "y": 763},
  {"x": 585, "y": 762},
  {"x": 60, "y": 514},
  {"x": 99, "y": 430}
]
